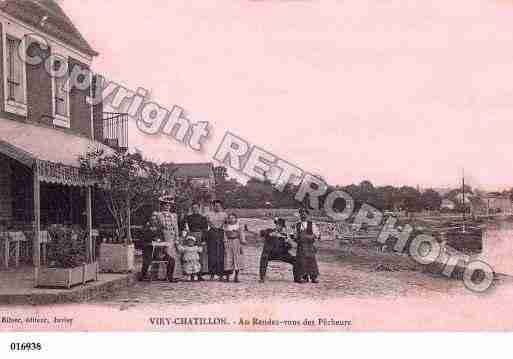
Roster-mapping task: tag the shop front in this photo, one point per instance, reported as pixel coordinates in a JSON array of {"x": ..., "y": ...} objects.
[{"x": 41, "y": 185}]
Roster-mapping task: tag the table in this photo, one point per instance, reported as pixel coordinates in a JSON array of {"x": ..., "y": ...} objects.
[
  {"x": 12, "y": 237},
  {"x": 4, "y": 237},
  {"x": 158, "y": 246},
  {"x": 95, "y": 233},
  {"x": 44, "y": 239}
]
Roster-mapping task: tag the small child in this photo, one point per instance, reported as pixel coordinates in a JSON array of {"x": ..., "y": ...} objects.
[{"x": 191, "y": 258}]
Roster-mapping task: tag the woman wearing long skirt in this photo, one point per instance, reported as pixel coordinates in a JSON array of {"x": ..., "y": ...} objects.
[
  {"x": 233, "y": 254},
  {"x": 169, "y": 224},
  {"x": 215, "y": 240},
  {"x": 197, "y": 226},
  {"x": 306, "y": 267}
]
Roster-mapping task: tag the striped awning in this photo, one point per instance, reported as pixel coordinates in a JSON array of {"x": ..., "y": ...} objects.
[{"x": 53, "y": 153}]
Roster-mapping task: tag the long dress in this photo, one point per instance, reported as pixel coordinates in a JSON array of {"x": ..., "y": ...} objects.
[
  {"x": 306, "y": 261},
  {"x": 198, "y": 226},
  {"x": 191, "y": 259},
  {"x": 215, "y": 242},
  {"x": 233, "y": 255},
  {"x": 169, "y": 225}
]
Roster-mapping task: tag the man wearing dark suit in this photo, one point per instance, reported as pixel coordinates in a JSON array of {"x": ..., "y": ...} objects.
[{"x": 276, "y": 248}]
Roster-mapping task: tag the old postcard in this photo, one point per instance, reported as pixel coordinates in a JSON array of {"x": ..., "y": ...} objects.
[{"x": 255, "y": 166}]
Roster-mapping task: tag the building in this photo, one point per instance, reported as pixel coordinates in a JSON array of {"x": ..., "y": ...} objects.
[
  {"x": 448, "y": 204},
  {"x": 492, "y": 203},
  {"x": 442, "y": 191},
  {"x": 44, "y": 126},
  {"x": 200, "y": 175},
  {"x": 495, "y": 202}
]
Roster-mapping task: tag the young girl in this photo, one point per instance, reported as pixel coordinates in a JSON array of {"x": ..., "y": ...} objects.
[
  {"x": 191, "y": 258},
  {"x": 233, "y": 240}
]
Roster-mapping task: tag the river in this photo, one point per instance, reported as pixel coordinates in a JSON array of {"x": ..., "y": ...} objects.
[{"x": 498, "y": 247}]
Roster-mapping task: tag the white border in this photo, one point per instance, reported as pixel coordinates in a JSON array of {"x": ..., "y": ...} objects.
[{"x": 190, "y": 345}]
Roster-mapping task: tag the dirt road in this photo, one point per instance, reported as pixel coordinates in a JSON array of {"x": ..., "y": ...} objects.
[{"x": 344, "y": 274}]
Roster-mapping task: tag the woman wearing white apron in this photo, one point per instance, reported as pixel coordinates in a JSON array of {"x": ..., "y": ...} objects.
[{"x": 171, "y": 233}]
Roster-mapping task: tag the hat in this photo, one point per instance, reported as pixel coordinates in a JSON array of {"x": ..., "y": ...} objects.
[
  {"x": 167, "y": 199},
  {"x": 280, "y": 222},
  {"x": 190, "y": 238},
  {"x": 217, "y": 201}
]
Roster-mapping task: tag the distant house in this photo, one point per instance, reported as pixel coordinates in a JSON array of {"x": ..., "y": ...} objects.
[
  {"x": 220, "y": 172},
  {"x": 448, "y": 204},
  {"x": 492, "y": 203},
  {"x": 459, "y": 197},
  {"x": 442, "y": 191},
  {"x": 498, "y": 203},
  {"x": 200, "y": 175}
]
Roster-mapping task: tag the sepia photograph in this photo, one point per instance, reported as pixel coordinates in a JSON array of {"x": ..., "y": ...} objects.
[{"x": 255, "y": 166}]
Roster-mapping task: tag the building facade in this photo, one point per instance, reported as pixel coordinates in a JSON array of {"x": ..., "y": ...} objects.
[
  {"x": 201, "y": 176},
  {"x": 45, "y": 124},
  {"x": 498, "y": 203}
]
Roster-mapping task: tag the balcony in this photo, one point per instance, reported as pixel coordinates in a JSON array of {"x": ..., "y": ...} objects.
[{"x": 115, "y": 130}]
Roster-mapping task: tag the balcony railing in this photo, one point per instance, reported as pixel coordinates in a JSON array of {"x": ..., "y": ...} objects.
[{"x": 115, "y": 130}]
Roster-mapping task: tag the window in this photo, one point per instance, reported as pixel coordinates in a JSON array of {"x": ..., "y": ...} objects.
[
  {"x": 15, "y": 84},
  {"x": 15, "y": 71},
  {"x": 60, "y": 92},
  {"x": 61, "y": 95}
]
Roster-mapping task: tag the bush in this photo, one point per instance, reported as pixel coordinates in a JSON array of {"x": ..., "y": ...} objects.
[{"x": 67, "y": 248}]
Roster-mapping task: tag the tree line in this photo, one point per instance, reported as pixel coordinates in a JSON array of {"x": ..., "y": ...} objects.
[{"x": 262, "y": 194}]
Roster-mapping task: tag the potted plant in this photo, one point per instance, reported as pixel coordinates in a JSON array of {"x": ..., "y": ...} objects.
[
  {"x": 128, "y": 182},
  {"x": 67, "y": 264}
]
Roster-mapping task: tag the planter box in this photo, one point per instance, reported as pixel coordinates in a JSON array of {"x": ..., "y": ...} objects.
[
  {"x": 117, "y": 258},
  {"x": 66, "y": 277}
]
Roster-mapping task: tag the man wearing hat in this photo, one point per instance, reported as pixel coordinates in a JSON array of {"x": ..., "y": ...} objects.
[
  {"x": 169, "y": 224},
  {"x": 276, "y": 248}
]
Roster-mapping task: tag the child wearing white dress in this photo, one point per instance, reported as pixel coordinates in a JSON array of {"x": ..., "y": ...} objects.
[{"x": 191, "y": 258}]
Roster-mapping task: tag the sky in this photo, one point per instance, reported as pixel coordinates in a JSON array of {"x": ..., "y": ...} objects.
[{"x": 395, "y": 92}]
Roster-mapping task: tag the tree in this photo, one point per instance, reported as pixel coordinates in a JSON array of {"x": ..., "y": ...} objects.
[
  {"x": 127, "y": 183},
  {"x": 389, "y": 196},
  {"x": 220, "y": 173},
  {"x": 229, "y": 191},
  {"x": 409, "y": 198},
  {"x": 431, "y": 199}
]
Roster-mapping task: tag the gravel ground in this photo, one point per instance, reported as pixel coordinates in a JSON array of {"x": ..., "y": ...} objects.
[{"x": 345, "y": 273}]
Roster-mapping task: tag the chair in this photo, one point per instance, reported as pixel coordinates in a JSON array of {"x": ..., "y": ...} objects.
[
  {"x": 4, "y": 248},
  {"x": 158, "y": 266},
  {"x": 44, "y": 239},
  {"x": 17, "y": 238},
  {"x": 95, "y": 233}
]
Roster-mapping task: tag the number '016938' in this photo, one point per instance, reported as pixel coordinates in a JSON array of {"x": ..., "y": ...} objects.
[{"x": 26, "y": 346}]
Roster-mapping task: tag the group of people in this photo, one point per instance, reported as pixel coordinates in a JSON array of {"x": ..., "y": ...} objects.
[
  {"x": 277, "y": 247},
  {"x": 212, "y": 245},
  {"x": 206, "y": 245}
]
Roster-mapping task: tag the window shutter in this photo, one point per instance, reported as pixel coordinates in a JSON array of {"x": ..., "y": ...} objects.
[
  {"x": 15, "y": 67},
  {"x": 61, "y": 95}
]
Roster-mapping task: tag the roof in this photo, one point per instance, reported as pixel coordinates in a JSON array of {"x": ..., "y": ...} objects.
[
  {"x": 192, "y": 170},
  {"x": 496, "y": 195},
  {"x": 57, "y": 23},
  {"x": 28, "y": 143}
]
